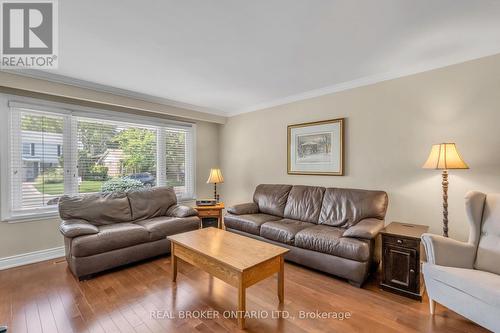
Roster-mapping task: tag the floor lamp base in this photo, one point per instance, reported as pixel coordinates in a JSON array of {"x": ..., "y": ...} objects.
[{"x": 445, "y": 202}]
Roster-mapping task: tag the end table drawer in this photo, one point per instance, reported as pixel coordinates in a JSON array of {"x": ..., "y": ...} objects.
[
  {"x": 400, "y": 241},
  {"x": 208, "y": 213}
]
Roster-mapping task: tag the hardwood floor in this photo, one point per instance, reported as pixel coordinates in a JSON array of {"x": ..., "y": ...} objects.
[{"x": 45, "y": 297}]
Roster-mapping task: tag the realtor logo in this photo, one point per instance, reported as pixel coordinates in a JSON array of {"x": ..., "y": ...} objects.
[{"x": 29, "y": 34}]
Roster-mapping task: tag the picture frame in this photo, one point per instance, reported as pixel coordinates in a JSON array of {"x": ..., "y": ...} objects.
[{"x": 316, "y": 148}]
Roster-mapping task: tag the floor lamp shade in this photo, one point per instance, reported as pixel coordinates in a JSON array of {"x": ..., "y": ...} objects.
[{"x": 445, "y": 156}]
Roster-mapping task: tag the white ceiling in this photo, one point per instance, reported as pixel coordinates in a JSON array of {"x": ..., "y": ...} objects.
[{"x": 233, "y": 56}]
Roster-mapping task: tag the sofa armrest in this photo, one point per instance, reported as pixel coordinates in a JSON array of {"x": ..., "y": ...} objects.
[
  {"x": 448, "y": 252},
  {"x": 75, "y": 228},
  {"x": 181, "y": 211},
  {"x": 245, "y": 208},
  {"x": 366, "y": 229}
]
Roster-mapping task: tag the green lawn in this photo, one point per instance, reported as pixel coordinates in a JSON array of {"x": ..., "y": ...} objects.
[
  {"x": 84, "y": 187},
  {"x": 173, "y": 183}
]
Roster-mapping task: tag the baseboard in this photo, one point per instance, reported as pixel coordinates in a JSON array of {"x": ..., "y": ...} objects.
[{"x": 31, "y": 257}]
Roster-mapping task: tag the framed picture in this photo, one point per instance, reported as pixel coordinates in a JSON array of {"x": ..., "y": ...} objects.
[{"x": 316, "y": 148}]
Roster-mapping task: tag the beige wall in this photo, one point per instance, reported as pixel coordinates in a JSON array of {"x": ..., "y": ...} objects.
[
  {"x": 24, "y": 237},
  {"x": 207, "y": 156},
  {"x": 19, "y": 238},
  {"x": 389, "y": 131}
]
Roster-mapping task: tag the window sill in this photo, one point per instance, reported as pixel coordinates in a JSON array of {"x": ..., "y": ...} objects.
[{"x": 31, "y": 217}]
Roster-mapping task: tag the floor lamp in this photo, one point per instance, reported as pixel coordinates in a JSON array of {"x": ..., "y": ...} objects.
[{"x": 444, "y": 156}]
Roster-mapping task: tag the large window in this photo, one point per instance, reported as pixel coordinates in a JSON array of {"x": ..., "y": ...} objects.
[{"x": 55, "y": 152}]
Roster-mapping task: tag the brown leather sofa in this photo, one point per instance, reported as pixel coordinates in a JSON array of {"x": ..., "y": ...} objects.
[
  {"x": 106, "y": 230},
  {"x": 329, "y": 229}
]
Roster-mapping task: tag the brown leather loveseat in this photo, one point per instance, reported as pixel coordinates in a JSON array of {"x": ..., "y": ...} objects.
[
  {"x": 329, "y": 229},
  {"x": 106, "y": 230}
]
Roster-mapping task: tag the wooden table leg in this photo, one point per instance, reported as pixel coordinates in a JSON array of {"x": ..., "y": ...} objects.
[
  {"x": 173, "y": 260},
  {"x": 281, "y": 280},
  {"x": 241, "y": 305},
  {"x": 220, "y": 224}
]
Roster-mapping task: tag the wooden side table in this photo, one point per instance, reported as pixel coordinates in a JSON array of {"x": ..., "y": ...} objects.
[
  {"x": 401, "y": 259},
  {"x": 211, "y": 211}
]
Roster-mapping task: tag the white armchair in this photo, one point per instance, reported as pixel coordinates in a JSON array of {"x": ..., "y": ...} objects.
[{"x": 465, "y": 277}]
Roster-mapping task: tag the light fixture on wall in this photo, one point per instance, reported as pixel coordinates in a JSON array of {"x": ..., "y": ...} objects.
[
  {"x": 445, "y": 156},
  {"x": 215, "y": 178}
]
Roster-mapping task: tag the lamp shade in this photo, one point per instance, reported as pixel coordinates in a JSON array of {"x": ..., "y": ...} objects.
[
  {"x": 445, "y": 156},
  {"x": 215, "y": 177}
]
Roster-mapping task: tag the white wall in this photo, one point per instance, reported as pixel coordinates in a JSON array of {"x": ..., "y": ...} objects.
[{"x": 390, "y": 128}]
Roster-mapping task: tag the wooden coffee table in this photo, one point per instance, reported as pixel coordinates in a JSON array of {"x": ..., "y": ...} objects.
[{"x": 237, "y": 260}]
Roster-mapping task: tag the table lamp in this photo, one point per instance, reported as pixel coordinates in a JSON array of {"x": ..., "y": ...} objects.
[
  {"x": 444, "y": 156},
  {"x": 215, "y": 178}
]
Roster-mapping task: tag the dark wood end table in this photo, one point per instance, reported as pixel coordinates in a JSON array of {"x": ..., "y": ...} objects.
[{"x": 401, "y": 259}]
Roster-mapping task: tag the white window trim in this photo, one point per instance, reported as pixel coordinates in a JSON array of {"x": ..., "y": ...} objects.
[
  {"x": 7, "y": 102},
  {"x": 192, "y": 156},
  {"x": 5, "y": 143}
]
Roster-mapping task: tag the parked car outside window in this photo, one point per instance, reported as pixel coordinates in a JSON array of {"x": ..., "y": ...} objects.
[{"x": 145, "y": 178}]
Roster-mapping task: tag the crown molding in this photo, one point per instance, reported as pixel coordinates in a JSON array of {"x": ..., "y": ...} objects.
[
  {"x": 62, "y": 79},
  {"x": 364, "y": 81},
  {"x": 357, "y": 83}
]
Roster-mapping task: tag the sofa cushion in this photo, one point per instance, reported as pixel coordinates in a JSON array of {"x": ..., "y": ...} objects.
[
  {"x": 326, "y": 239},
  {"x": 96, "y": 208},
  {"x": 110, "y": 237},
  {"x": 346, "y": 207},
  {"x": 271, "y": 199},
  {"x": 304, "y": 203},
  {"x": 249, "y": 222},
  {"x": 151, "y": 202},
  {"x": 488, "y": 251},
  {"x": 163, "y": 226},
  {"x": 283, "y": 231},
  {"x": 478, "y": 284}
]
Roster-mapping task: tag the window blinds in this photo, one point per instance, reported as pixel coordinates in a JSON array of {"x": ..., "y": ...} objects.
[
  {"x": 36, "y": 166},
  {"x": 54, "y": 154}
]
